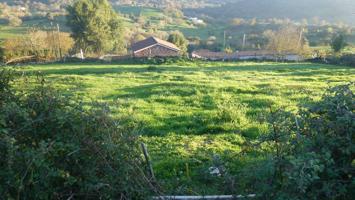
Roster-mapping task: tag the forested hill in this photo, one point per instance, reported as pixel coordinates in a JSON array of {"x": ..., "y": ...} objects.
[
  {"x": 223, "y": 10},
  {"x": 22, "y": 2},
  {"x": 147, "y": 3},
  {"x": 330, "y": 10},
  {"x": 57, "y": 7}
]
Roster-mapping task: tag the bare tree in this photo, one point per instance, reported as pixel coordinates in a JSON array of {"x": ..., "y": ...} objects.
[
  {"x": 288, "y": 39},
  {"x": 38, "y": 44}
]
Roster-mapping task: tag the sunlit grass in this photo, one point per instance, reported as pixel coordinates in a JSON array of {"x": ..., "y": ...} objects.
[{"x": 190, "y": 112}]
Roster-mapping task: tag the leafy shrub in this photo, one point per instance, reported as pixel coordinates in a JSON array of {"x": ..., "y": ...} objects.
[
  {"x": 2, "y": 54},
  {"x": 53, "y": 148},
  {"x": 338, "y": 43},
  {"x": 231, "y": 111},
  {"x": 347, "y": 60},
  {"x": 312, "y": 154}
]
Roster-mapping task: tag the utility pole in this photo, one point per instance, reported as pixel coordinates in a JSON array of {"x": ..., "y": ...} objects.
[
  {"x": 224, "y": 40},
  {"x": 300, "y": 39},
  {"x": 59, "y": 46},
  {"x": 244, "y": 40},
  {"x": 54, "y": 48}
]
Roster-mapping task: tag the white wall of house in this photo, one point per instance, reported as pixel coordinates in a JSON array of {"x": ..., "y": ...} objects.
[{"x": 293, "y": 57}]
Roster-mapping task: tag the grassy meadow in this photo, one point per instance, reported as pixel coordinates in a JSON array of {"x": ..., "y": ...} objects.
[
  {"x": 8, "y": 32},
  {"x": 191, "y": 113}
]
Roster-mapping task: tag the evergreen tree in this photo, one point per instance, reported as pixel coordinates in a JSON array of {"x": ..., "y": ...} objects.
[
  {"x": 338, "y": 43},
  {"x": 96, "y": 27}
]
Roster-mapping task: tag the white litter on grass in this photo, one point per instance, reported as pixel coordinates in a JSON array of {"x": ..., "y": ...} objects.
[
  {"x": 214, "y": 171},
  {"x": 213, "y": 197}
]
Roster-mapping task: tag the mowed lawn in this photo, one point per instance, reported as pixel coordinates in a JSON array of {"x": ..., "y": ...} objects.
[{"x": 192, "y": 115}]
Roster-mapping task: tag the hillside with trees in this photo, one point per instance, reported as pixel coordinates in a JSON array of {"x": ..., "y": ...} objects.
[
  {"x": 146, "y": 3},
  {"x": 331, "y": 10}
]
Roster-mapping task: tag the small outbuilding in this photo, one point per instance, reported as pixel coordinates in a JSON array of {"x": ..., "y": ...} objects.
[
  {"x": 244, "y": 55},
  {"x": 154, "y": 47}
]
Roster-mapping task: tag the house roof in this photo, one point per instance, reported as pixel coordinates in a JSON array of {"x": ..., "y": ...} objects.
[
  {"x": 152, "y": 41},
  {"x": 255, "y": 53},
  {"x": 204, "y": 53},
  {"x": 214, "y": 55},
  {"x": 207, "y": 53}
]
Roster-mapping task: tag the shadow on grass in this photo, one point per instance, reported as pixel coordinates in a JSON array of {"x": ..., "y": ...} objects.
[
  {"x": 158, "y": 89},
  {"x": 259, "y": 103},
  {"x": 302, "y": 69},
  {"x": 85, "y": 70},
  {"x": 198, "y": 124},
  {"x": 251, "y": 91}
]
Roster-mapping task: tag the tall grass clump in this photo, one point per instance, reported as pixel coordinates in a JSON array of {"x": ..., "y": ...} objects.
[
  {"x": 230, "y": 111},
  {"x": 51, "y": 147},
  {"x": 234, "y": 117}
]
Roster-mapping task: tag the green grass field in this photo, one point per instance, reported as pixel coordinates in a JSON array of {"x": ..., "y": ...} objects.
[
  {"x": 8, "y": 32},
  {"x": 188, "y": 113}
]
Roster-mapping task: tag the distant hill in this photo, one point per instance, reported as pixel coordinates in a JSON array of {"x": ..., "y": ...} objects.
[
  {"x": 224, "y": 10},
  {"x": 22, "y": 2},
  {"x": 147, "y": 3},
  {"x": 330, "y": 10}
]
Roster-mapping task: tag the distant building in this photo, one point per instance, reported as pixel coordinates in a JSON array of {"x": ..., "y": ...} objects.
[
  {"x": 258, "y": 55},
  {"x": 23, "y": 9},
  {"x": 154, "y": 47},
  {"x": 210, "y": 55},
  {"x": 243, "y": 55},
  {"x": 197, "y": 21}
]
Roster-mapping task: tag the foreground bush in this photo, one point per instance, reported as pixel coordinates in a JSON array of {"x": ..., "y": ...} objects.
[
  {"x": 311, "y": 154},
  {"x": 346, "y": 60},
  {"x": 53, "y": 148}
]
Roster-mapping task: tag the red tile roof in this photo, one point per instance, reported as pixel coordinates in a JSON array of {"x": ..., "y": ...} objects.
[
  {"x": 204, "y": 53},
  {"x": 152, "y": 41},
  {"x": 255, "y": 53}
]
